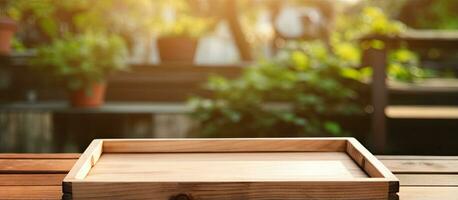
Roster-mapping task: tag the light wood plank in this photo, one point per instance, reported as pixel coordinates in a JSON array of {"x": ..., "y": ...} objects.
[
  {"x": 408, "y": 192},
  {"x": 31, "y": 179},
  {"x": 35, "y": 165},
  {"x": 231, "y": 191},
  {"x": 422, "y": 166},
  {"x": 88, "y": 159},
  {"x": 39, "y": 156},
  {"x": 433, "y": 85},
  {"x": 224, "y": 167},
  {"x": 429, "y": 193},
  {"x": 367, "y": 161},
  {"x": 430, "y": 34},
  {"x": 225, "y": 145},
  {"x": 408, "y": 157},
  {"x": 372, "y": 165},
  {"x": 428, "y": 179},
  {"x": 422, "y": 112},
  {"x": 30, "y": 192}
]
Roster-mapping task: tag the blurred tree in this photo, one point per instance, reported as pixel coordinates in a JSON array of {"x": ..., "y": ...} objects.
[{"x": 430, "y": 14}]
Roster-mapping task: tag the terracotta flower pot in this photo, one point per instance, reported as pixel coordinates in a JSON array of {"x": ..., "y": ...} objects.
[
  {"x": 7, "y": 29},
  {"x": 177, "y": 49},
  {"x": 89, "y": 98}
]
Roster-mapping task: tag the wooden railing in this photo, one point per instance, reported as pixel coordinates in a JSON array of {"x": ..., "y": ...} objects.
[{"x": 377, "y": 59}]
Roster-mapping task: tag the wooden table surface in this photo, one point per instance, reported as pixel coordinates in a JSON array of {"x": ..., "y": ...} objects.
[{"x": 39, "y": 176}]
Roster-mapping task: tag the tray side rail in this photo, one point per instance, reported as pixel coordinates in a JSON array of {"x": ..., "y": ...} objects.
[
  {"x": 348, "y": 190},
  {"x": 225, "y": 145},
  {"x": 82, "y": 167},
  {"x": 372, "y": 166}
]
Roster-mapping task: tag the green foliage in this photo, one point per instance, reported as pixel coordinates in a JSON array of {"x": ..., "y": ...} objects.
[
  {"x": 119, "y": 16},
  {"x": 43, "y": 20},
  {"x": 404, "y": 64},
  {"x": 307, "y": 83},
  {"x": 79, "y": 61},
  {"x": 443, "y": 15},
  {"x": 57, "y": 18},
  {"x": 17, "y": 45},
  {"x": 185, "y": 26},
  {"x": 368, "y": 21},
  {"x": 43, "y": 13},
  {"x": 431, "y": 14},
  {"x": 184, "y": 22},
  {"x": 311, "y": 83},
  {"x": 374, "y": 21}
]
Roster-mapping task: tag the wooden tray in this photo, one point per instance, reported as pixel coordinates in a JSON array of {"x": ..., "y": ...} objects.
[{"x": 220, "y": 169}]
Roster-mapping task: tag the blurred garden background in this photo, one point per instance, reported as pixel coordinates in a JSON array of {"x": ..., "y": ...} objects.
[{"x": 383, "y": 71}]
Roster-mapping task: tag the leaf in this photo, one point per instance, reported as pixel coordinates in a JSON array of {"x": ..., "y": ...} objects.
[
  {"x": 300, "y": 60},
  {"x": 351, "y": 73},
  {"x": 332, "y": 127}
]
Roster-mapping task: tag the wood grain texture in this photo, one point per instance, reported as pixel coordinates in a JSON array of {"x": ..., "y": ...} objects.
[
  {"x": 422, "y": 166},
  {"x": 372, "y": 166},
  {"x": 428, "y": 179},
  {"x": 30, "y": 192},
  {"x": 86, "y": 161},
  {"x": 224, "y": 167},
  {"x": 53, "y": 156},
  {"x": 367, "y": 161},
  {"x": 225, "y": 145},
  {"x": 414, "y": 186},
  {"x": 35, "y": 165},
  {"x": 31, "y": 179},
  {"x": 429, "y": 193},
  {"x": 410, "y": 157},
  {"x": 261, "y": 168},
  {"x": 230, "y": 191}
]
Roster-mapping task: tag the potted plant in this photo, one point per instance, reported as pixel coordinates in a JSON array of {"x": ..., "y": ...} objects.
[
  {"x": 7, "y": 28},
  {"x": 177, "y": 41},
  {"x": 82, "y": 64}
]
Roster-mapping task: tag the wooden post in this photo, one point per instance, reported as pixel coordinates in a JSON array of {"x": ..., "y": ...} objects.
[
  {"x": 234, "y": 24},
  {"x": 274, "y": 7},
  {"x": 377, "y": 59}
]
